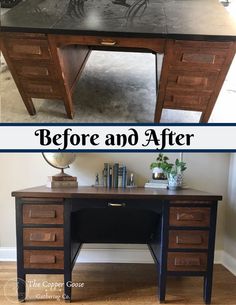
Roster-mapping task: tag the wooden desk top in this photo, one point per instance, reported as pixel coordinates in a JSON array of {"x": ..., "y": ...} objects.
[
  {"x": 179, "y": 19},
  {"x": 100, "y": 192}
]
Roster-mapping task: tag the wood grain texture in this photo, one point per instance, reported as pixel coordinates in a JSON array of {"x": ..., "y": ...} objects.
[
  {"x": 43, "y": 214},
  {"x": 188, "y": 239},
  {"x": 187, "y": 195},
  {"x": 189, "y": 216},
  {"x": 43, "y": 259},
  {"x": 49, "y": 237},
  {"x": 122, "y": 284}
]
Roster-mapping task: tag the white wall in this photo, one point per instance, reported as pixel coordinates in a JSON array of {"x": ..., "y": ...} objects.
[
  {"x": 207, "y": 172},
  {"x": 230, "y": 216}
]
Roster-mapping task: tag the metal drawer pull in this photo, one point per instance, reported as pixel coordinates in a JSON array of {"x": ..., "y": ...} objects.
[
  {"x": 116, "y": 205},
  {"x": 108, "y": 43},
  {"x": 44, "y": 237},
  {"x": 42, "y": 259}
]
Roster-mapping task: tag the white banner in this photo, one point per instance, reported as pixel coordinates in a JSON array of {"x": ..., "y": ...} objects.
[{"x": 206, "y": 137}]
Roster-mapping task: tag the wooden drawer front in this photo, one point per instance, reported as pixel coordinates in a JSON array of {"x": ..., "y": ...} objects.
[
  {"x": 35, "y": 70},
  {"x": 184, "y": 261},
  {"x": 192, "y": 80},
  {"x": 28, "y": 48},
  {"x": 40, "y": 89},
  {"x": 43, "y": 214},
  {"x": 41, "y": 259},
  {"x": 186, "y": 100},
  {"x": 180, "y": 239},
  {"x": 197, "y": 217},
  {"x": 195, "y": 54},
  {"x": 49, "y": 237}
]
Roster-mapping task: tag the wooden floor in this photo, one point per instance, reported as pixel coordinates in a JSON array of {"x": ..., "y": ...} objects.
[{"x": 126, "y": 284}]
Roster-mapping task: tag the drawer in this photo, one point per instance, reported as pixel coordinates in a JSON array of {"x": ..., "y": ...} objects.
[
  {"x": 115, "y": 42},
  {"x": 179, "y": 239},
  {"x": 186, "y": 100},
  {"x": 203, "y": 55},
  {"x": 186, "y": 216},
  {"x": 28, "y": 48},
  {"x": 192, "y": 80},
  {"x": 43, "y": 214},
  {"x": 49, "y": 237},
  {"x": 35, "y": 70},
  {"x": 184, "y": 261},
  {"x": 42, "y": 259},
  {"x": 41, "y": 89}
]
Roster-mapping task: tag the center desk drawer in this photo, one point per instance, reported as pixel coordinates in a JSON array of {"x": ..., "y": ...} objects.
[
  {"x": 41, "y": 259},
  {"x": 49, "y": 237},
  {"x": 43, "y": 214},
  {"x": 189, "y": 216}
]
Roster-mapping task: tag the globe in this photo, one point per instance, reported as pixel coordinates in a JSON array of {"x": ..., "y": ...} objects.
[{"x": 60, "y": 160}]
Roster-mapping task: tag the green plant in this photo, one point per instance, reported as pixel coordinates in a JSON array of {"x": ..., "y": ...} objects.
[
  {"x": 173, "y": 169},
  {"x": 161, "y": 160}
]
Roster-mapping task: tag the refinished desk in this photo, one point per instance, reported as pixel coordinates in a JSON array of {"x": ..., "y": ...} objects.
[
  {"x": 46, "y": 44},
  {"x": 179, "y": 228}
]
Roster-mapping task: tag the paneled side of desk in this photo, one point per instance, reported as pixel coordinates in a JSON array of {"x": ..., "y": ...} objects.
[{"x": 192, "y": 76}]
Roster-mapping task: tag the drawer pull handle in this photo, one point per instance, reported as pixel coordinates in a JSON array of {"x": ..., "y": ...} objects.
[
  {"x": 190, "y": 240},
  {"x": 42, "y": 259},
  {"x": 116, "y": 205},
  {"x": 187, "y": 261},
  {"x": 108, "y": 43},
  {"x": 44, "y": 237},
  {"x": 27, "y": 49},
  {"x": 42, "y": 214},
  {"x": 189, "y": 216}
]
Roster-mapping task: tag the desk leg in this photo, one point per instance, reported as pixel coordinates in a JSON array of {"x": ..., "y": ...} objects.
[
  {"x": 208, "y": 277},
  {"x": 21, "y": 287},
  {"x": 163, "y": 254}
]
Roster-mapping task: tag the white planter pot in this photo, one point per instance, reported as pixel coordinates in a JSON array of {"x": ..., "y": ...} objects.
[{"x": 175, "y": 181}]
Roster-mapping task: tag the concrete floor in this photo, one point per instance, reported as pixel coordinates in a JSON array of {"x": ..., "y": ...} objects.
[{"x": 115, "y": 87}]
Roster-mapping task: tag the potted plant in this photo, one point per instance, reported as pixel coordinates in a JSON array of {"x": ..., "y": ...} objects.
[
  {"x": 174, "y": 173},
  {"x": 158, "y": 167}
]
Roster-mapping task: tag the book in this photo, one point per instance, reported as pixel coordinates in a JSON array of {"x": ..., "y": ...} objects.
[
  {"x": 62, "y": 178},
  {"x": 115, "y": 175},
  {"x": 62, "y": 184},
  {"x": 161, "y": 185},
  {"x": 105, "y": 174},
  {"x": 124, "y": 177}
]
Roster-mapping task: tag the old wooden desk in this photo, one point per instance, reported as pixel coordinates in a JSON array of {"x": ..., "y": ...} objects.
[
  {"x": 47, "y": 43},
  {"x": 179, "y": 228}
]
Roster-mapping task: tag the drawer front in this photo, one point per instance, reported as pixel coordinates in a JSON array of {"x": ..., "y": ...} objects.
[
  {"x": 35, "y": 70},
  {"x": 49, "y": 237},
  {"x": 43, "y": 214},
  {"x": 196, "y": 217},
  {"x": 195, "y": 54},
  {"x": 41, "y": 259},
  {"x": 184, "y": 261},
  {"x": 186, "y": 100},
  {"x": 28, "y": 48},
  {"x": 192, "y": 80},
  {"x": 40, "y": 89},
  {"x": 180, "y": 239}
]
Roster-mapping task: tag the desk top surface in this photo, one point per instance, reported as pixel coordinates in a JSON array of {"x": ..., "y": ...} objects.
[
  {"x": 100, "y": 192},
  {"x": 179, "y": 19}
]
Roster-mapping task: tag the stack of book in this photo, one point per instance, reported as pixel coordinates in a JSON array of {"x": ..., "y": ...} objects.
[
  {"x": 159, "y": 184},
  {"x": 114, "y": 175},
  {"x": 62, "y": 181}
]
